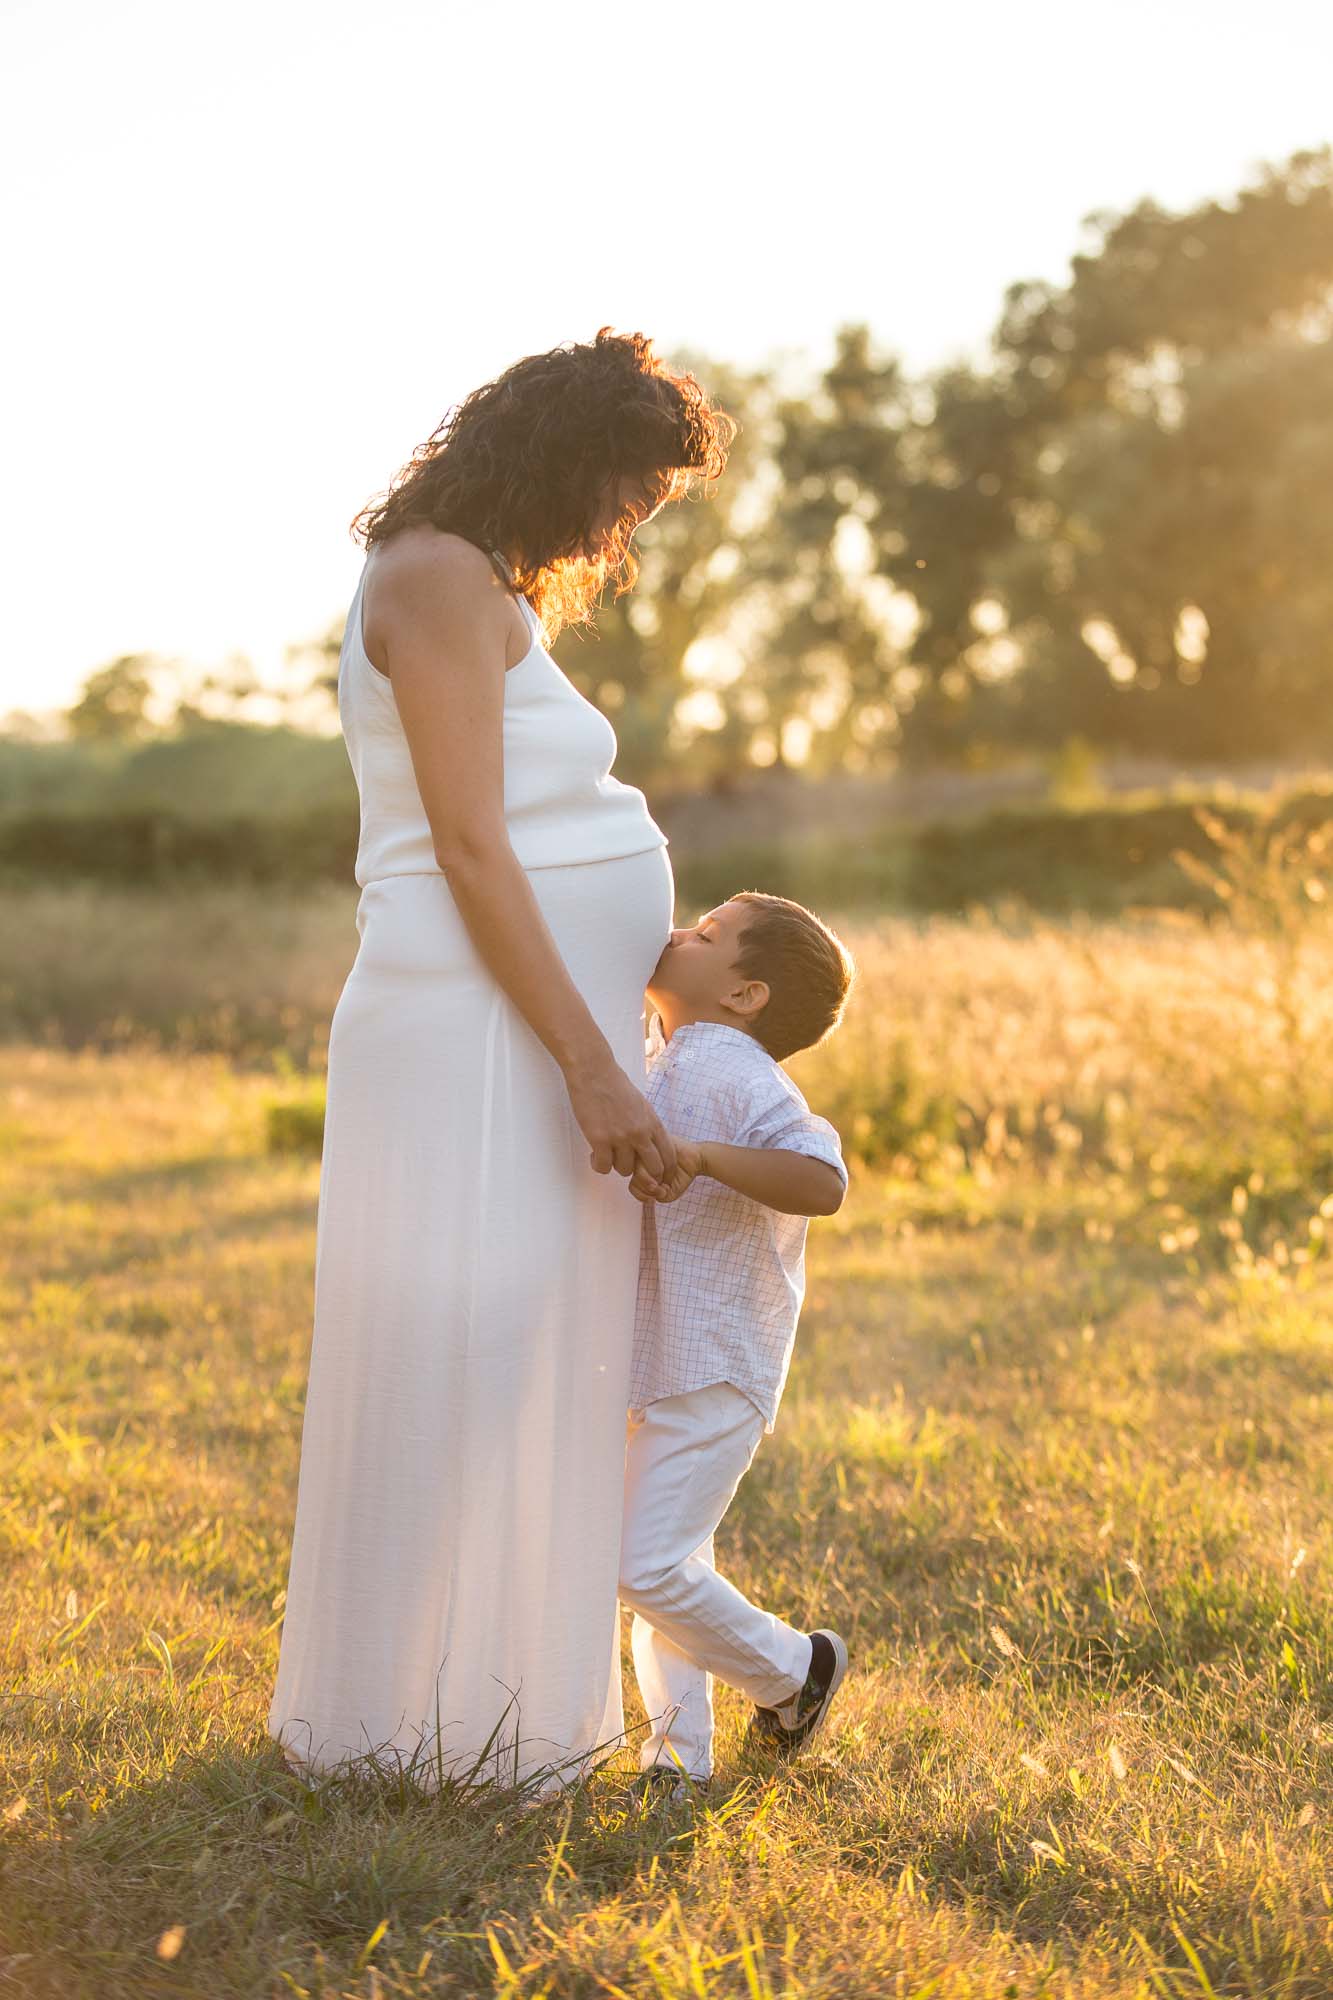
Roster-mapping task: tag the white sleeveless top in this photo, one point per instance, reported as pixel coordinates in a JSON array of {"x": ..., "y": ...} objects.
[{"x": 561, "y": 803}]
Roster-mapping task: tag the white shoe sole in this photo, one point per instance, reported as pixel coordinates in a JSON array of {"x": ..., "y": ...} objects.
[{"x": 839, "y": 1673}]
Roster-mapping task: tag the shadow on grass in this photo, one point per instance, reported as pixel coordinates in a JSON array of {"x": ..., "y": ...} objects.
[
  {"x": 268, "y": 1873},
  {"x": 156, "y": 1250}
]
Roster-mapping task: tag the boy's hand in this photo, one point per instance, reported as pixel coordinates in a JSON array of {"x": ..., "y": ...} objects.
[{"x": 689, "y": 1164}]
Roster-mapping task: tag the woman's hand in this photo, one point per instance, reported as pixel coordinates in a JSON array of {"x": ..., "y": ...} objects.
[
  {"x": 620, "y": 1124},
  {"x": 689, "y": 1165}
]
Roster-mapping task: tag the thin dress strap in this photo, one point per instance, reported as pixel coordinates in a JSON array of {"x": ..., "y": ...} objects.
[
  {"x": 502, "y": 564},
  {"x": 535, "y": 623}
]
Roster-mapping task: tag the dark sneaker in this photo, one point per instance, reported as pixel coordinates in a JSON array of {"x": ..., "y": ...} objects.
[
  {"x": 792, "y": 1725},
  {"x": 667, "y": 1781}
]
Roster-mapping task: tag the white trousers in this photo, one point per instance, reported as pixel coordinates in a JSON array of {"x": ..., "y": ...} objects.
[{"x": 684, "y": 1458}]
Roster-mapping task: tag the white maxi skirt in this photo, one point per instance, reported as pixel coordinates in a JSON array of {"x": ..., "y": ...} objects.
[{"x": 451, "y": 1601}]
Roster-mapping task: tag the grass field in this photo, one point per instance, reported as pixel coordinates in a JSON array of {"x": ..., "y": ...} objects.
[{"x": 1055, "y": 1458}]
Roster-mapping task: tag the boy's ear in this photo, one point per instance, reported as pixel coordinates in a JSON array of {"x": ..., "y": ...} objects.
[{"x": 750, "y": 998}]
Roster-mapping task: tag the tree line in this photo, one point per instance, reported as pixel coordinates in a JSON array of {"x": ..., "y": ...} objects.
[{"x": 1119, "y": 529}]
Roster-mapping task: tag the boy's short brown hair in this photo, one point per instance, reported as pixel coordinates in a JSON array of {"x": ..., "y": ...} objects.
[{"x": 808, "y": 971}]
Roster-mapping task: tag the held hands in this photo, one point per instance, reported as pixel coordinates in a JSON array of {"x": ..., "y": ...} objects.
[
  {"x": 689, "y": 1164},
  {"x": 624, "y": 1133},
  {"x": 626, "y": 1136}
]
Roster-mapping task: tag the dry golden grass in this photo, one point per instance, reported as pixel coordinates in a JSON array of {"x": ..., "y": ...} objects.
[{"x": 1055, "y": 1458}]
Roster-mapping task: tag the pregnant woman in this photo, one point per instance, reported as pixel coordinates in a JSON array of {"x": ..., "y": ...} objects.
[{"x": 451, "y": 1601}]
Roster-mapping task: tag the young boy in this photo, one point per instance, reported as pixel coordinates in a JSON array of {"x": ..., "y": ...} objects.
[{"x": 721, "y": 1282}]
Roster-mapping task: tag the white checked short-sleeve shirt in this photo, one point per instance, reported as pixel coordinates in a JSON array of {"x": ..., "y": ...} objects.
[{"x": 722, "y": 1276}]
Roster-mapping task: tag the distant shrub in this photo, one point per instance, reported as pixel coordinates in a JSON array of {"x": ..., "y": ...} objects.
[
  {"x": 1099, "y": 859},
  {"x": 165, "y": 847},
  {"x": 1102, "y": 859},
  {"x": 295, "y": 1124}
]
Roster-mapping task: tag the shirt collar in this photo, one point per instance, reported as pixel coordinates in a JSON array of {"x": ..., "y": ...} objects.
[{"x": 698, "y": 1031}]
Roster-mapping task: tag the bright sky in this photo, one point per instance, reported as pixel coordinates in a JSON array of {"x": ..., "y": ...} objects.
[{"x": 255, "y": 251}]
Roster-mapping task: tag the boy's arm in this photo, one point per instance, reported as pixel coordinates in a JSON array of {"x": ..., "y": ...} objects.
[{"x": 795, "y": 1183}]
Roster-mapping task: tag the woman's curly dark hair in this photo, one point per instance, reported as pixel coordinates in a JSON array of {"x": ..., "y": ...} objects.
[{"x": 522, "y": 463}]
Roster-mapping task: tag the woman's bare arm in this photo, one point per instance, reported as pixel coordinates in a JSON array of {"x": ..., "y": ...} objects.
[{"x": 438, "y": 623}]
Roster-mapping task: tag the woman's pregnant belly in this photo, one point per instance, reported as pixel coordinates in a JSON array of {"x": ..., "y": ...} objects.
[
  {"x": 419, "y": 987},
  {"x": 610, "y": 921}
]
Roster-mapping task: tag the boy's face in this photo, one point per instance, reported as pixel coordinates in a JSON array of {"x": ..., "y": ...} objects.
[{"x": 695, "y": 979}]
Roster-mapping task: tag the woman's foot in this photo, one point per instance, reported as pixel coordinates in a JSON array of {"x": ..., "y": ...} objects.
[{"x": 793, "y": 1724}]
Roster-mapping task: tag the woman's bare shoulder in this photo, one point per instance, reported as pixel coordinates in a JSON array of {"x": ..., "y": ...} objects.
[
  {"x": 424, "y": 573},
  {"x": 422, "y": 555}
]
